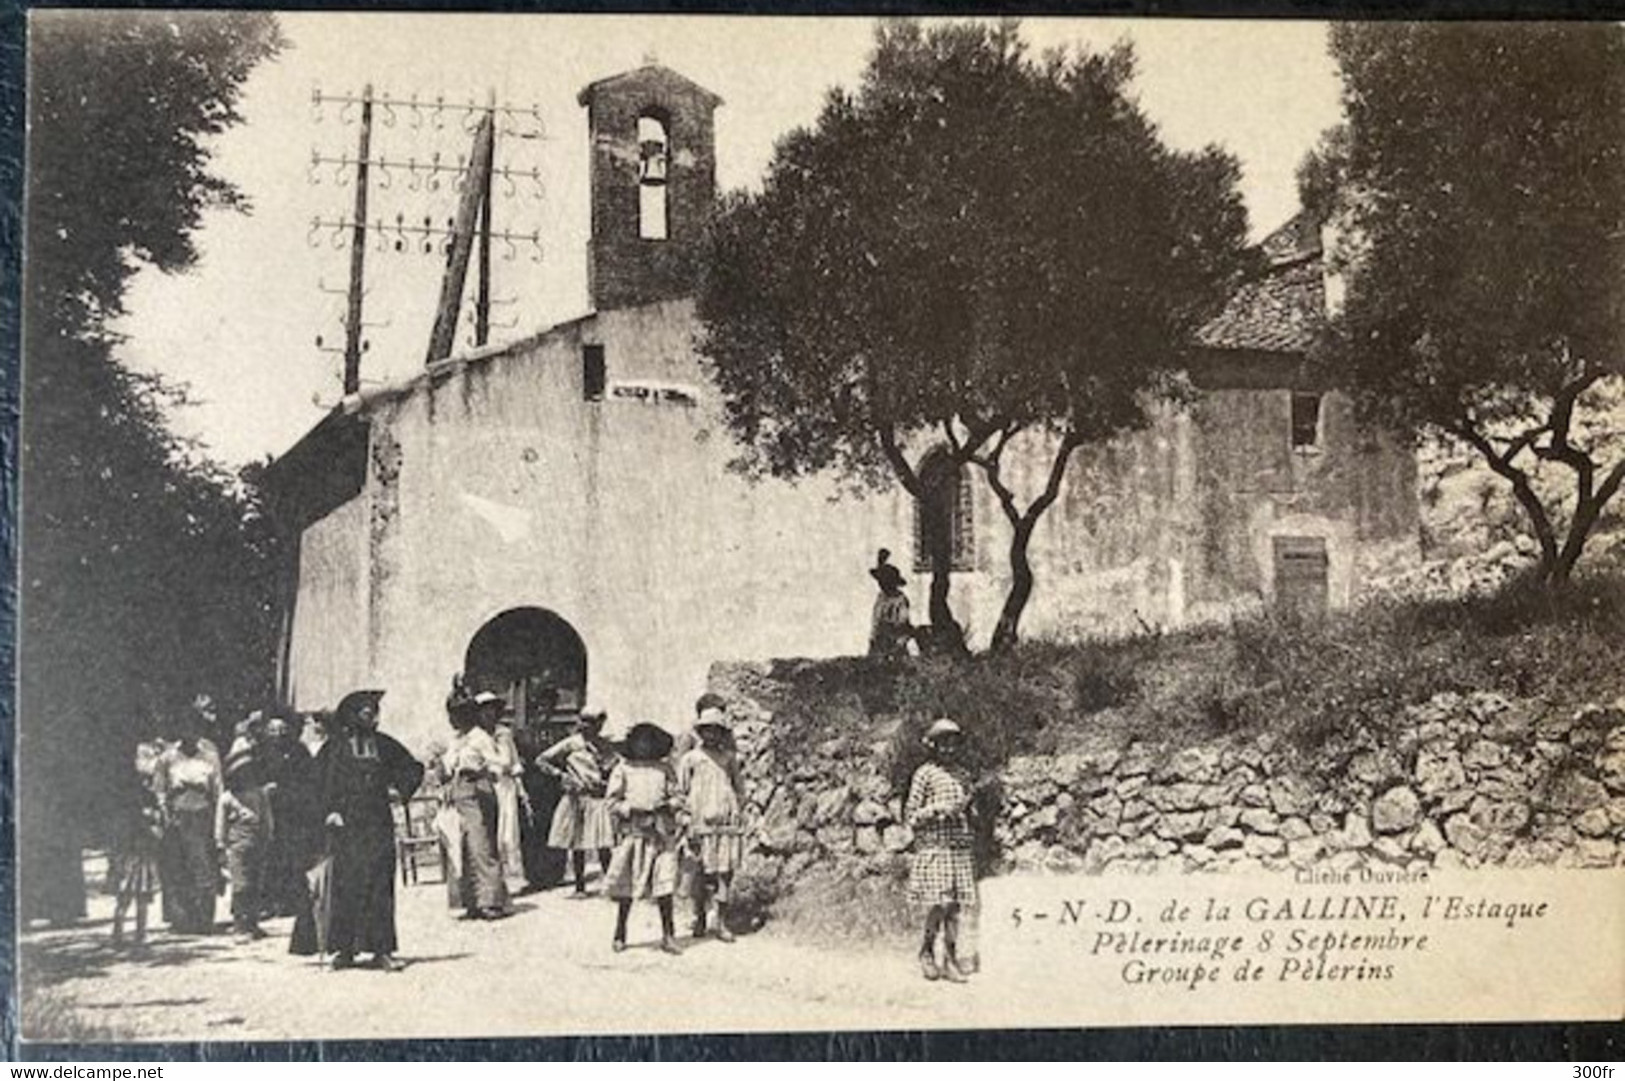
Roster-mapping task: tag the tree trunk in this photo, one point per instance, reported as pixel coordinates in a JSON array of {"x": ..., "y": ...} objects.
[
  {"x": 1560, "y": 567},
  {"x": 947, "y": 636},
  {"x": 1022, "y": 526},
  {"x": 1522, "y": 490},
  {"x": 1007, "y": 632},
  {"x": 936, "y": 531},
  {"x": 946, "y": 633}
]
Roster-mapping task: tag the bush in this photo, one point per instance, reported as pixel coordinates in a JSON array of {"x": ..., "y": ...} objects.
[
  {"x": 850, "y": 902},
  {"x": 1302, "y": 680},
  {"x": 1105, "y": 677},
  {"x": 757, "y": 891}
]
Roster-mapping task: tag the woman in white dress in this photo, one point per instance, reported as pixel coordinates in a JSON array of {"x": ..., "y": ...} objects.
[
  {"x": 507, "y": 768},
  {"x": 582, "y": 823}
]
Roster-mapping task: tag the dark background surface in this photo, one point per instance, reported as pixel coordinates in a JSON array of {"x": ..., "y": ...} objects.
[{"x": 1573, "y": 1042}]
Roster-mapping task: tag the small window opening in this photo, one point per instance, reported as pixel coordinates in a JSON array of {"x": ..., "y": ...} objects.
[
  {"x": 1305, "y": 421},
  {"x": 654, "y": 165},
  {"x": 592, "y": 373}
]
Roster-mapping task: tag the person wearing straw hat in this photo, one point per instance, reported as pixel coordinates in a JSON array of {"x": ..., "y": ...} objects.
[
  {"x": 360, "y": 771},
  {"x": 942, "y": 873},
  {"x": 647, "y": 803},
  {"x": 890, "y": 628},
  {"x": 581, "y": 823},
  {"x": 468, "y": 768},
  {"x": 243, "y": 826},
  {"x": 714, "y": 790}
]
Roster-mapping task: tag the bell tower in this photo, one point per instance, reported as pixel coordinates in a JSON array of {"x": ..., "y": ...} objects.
[{"x": 653, "y": 179}]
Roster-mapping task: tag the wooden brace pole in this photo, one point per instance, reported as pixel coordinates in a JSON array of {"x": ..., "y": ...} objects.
[{"x": 462, "y": 244}]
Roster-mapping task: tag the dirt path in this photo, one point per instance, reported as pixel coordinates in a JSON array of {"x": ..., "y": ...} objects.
[{"x": 547, "y": 970}]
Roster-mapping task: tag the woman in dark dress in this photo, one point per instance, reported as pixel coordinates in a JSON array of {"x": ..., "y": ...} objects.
[
  {"x": 294, "y": 835},
  {"x": 356, "y": 771}
]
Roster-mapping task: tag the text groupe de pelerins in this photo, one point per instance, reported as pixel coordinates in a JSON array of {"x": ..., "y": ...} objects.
[{"x": 1296, "y": 952}]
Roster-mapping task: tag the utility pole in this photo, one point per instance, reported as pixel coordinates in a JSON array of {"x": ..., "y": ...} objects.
[
  {"x": 467, "y": 238},
  {"x": 358, "y": 252}
]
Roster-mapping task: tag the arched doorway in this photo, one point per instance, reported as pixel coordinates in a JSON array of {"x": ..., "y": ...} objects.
[{"x": 535, "y": 659}]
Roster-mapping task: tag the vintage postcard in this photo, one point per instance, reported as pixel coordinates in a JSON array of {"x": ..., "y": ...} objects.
[{"x": 736, "y": 524}]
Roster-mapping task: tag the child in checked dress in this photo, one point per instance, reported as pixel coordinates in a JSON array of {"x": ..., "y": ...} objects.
[
  {"x": 647, "y": 805},
  {"x": 711, "y": 781},
  {"x": 942, "y": 875}
]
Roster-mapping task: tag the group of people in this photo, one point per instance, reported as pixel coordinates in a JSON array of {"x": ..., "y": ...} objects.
[
  {"x": 657, "y": 822},
  {"x": 300, "y": 827},
  {"x": 306, "y": 827},
  {"x": 202, "y": 814}
]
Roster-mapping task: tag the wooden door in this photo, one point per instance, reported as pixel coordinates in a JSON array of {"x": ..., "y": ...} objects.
[{"x": 1301, "y": 584}]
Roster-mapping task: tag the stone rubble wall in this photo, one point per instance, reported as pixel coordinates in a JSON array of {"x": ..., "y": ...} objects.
[
  {"x": 1467, "y": 781},
  {"x": 1464, "y": 781}
]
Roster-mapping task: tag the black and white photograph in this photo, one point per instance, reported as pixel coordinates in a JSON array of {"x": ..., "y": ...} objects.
[{"x": 549, "y": 525}]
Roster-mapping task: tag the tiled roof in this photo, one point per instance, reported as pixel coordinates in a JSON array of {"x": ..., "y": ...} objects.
[{"x": 1283, "y": 309}]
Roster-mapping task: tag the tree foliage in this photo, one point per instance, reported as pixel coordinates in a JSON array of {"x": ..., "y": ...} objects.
[
  {"x": 145, "y": 568},
  {"x": 975, "y": 247},
  {"x": 1480, "y": 178}
]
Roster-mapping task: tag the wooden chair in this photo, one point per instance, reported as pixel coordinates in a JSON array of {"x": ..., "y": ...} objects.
[{"x": 416, "y": 843}]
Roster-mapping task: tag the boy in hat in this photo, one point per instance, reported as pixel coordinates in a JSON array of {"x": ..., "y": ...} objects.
[
  {"x": 713, "y": 789},
  {"x": 243, "y": 827},
  {"x": 645, "y": 800},
  {"x": 942, "y": 875},
  {"x": 890, "y": 628}
]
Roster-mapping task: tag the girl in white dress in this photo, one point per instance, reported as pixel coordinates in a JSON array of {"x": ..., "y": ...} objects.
[{"x": 714, "y": 791}]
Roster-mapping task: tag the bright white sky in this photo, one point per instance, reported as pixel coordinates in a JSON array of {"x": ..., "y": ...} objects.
[{"x": 240, "y": 329}]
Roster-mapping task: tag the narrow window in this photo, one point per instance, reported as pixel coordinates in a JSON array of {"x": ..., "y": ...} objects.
[
  {"x": 946, "y": 517},
  {"x": 592, "y": 373},
  {"x": 1305, "y": 421},
  {"x": 654, "y": 163},
  {"x": 964, "y": 537}
]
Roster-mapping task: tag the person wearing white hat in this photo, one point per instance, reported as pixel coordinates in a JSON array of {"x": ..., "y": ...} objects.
[
  {"x": 714, "y": 789},
  {"x": 467, "y": 769},
  {"x": 942, "y": 873}
]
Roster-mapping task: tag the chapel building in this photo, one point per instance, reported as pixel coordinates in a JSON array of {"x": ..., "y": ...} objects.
[{"x": 556, "y": 516}]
